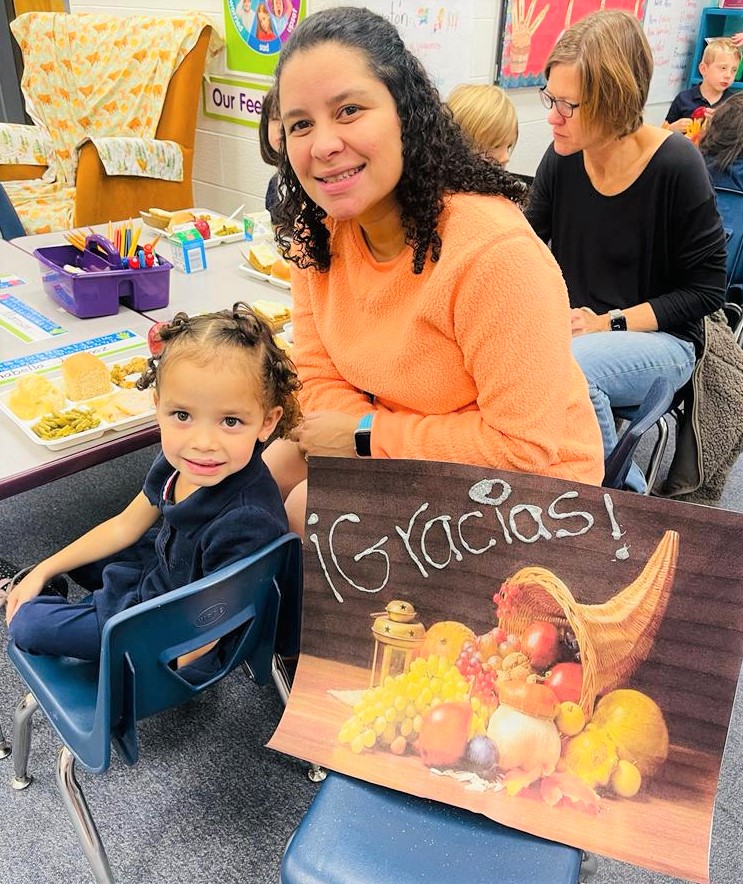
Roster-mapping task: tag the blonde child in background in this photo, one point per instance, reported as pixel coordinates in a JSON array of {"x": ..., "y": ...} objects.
[
  {"x": 222, "y": 388},
  {"x": 487, "y": 117},
  {"x": 718, "y": 68}
]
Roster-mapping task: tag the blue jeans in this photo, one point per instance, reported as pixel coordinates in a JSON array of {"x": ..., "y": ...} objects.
[{"x": 620, "y": 368}]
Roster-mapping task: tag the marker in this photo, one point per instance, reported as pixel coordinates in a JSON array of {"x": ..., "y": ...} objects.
[
  {"x": 149, "y": 259},
  {"x": 124, "y": 263},
  {"x": 134, "y": 263}
]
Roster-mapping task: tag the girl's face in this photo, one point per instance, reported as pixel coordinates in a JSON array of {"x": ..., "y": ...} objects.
[
  {"x": 278, "y": 8},
  {"x": 210, "y": 419},
  {"x": 343, "y": 135},
  {"x": 264, "y": 19}
]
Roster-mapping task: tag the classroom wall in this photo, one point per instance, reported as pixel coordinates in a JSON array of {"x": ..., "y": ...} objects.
[{"x": 228, "y": 169}]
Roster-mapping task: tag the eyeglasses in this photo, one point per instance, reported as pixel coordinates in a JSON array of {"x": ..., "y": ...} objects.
[{"x": 564, "y": 108}]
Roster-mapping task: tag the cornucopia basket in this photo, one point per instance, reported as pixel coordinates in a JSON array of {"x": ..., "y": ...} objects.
[{"x": 614, "y": 637}]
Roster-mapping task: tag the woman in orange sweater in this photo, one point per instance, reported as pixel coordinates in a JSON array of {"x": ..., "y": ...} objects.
[{"x": 429, "y": 320}]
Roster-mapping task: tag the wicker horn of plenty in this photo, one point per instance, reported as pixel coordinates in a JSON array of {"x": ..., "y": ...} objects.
[{"x": 615, "y": 636}]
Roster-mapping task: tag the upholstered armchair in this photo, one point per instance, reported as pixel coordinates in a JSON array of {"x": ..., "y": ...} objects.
[{"x": 114, "y": 103}]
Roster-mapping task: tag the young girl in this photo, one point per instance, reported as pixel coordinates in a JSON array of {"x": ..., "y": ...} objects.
[
  {"x": 487, "y": 117},
  {"x": 264, "y": 27},
  {"x": 222, "y": 388}
]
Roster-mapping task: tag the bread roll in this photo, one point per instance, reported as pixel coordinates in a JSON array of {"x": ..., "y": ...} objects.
[
  {"x": 33, "y": 396},
  {"x": 85, "y": 375}
]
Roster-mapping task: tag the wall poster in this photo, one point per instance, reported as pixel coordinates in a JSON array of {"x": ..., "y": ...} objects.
[
  {"x": 255, "y": 31},
  {"x": 532, "y": 27},
  {"x": 559, "y": 657}
]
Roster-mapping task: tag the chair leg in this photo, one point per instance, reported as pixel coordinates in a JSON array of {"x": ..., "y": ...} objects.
[
  {"x": 280, "y": 678},
  {"x": 657, "y": 453},
  {"x": 79, "y": 813},
  {"x": 316, "y": 773},
  {"x": 4, "y": 745},
  {"x": 22, "y": 725}
]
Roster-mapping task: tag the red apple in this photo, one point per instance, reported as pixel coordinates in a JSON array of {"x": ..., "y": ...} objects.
[
  {"x": 540, "y": 643},
  {"x": 444, "y": 733},
  {"x": 203, "y": 227}
]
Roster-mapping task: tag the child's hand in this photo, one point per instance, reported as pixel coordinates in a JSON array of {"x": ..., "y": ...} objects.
[
  {"x": 28, "y": 588},
  {"x": 680, "y": 125}
]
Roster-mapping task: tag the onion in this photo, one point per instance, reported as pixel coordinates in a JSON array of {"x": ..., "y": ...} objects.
[{"x": 523, "y": 740}]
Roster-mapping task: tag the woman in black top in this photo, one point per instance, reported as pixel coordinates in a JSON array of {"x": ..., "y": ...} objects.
[{"x": 630, "y": 216}]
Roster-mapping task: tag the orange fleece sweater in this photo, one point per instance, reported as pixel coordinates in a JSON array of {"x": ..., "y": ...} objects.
[{"x": 467, "y": 362}]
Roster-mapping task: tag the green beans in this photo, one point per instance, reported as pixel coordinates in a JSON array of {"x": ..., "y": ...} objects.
[{"x": 65, "y": 423}]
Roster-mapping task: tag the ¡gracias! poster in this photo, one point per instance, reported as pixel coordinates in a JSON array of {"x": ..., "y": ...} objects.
[
  {"x": 558, "y": 657},
  {"x": 255, "y": 31}
]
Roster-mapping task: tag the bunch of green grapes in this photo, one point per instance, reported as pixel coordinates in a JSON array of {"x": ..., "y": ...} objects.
[{"x": 391, "y": 714}]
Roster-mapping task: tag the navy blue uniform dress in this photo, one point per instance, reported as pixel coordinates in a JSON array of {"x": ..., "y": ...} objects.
[{"x": 211, "y": 528}]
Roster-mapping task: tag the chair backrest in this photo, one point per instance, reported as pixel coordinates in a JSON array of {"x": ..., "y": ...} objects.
[
  {"x": 656, "y": 403},
  {"x": 75, "y": 86},
  {"x": 92, "y": 706},
  {"x": 730, "y": 207}
]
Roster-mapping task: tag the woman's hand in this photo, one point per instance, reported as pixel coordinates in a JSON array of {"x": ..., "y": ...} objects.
[
  {"x": 584, "y": 321},
  {"x": 326, "y": 433},
  {"x": 738, "y": 38},
  {"x": 28, "y": 588}
]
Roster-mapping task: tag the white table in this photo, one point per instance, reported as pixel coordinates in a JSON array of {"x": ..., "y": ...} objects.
[{"x": 25, "y": 464}]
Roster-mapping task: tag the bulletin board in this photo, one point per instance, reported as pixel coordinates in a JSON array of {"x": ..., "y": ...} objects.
[{"x": 532, "y": 27}]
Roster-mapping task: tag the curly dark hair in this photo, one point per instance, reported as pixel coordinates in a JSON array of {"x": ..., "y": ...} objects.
[
  {"x": 437, "y": 159},
  {"x": 722, "y": 143},
  {"x": 240, "y": 328}
]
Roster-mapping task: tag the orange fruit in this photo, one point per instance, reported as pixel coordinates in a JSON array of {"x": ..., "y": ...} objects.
[{"x": 446, "y": 639}]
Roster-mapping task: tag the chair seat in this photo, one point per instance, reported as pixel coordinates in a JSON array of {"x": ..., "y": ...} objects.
[
  {"x": 70, "y": 684},
  {"x": 358, "y": 833}
]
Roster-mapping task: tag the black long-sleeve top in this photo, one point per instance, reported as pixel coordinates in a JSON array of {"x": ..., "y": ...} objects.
[{"x": 660, "y": 240}]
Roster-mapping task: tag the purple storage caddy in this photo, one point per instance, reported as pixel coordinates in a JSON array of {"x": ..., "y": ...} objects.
[{"x": 98, "y": 291}]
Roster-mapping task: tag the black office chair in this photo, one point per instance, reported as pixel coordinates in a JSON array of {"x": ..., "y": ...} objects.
[
  {"x": 652, "y": 411},
  {"x": 10, "y": 223}
]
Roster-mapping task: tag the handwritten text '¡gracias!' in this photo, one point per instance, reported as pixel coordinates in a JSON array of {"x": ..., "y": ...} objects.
[{"x": 415, "y": 535}]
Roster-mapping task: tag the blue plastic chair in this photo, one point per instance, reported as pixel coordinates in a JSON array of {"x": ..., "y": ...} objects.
[
  {"x": 652, "y": 411},
  {"x": 730, "y": 207},
  {"x": 358, "y": 832},
  {"x": 254, "y": 604}
]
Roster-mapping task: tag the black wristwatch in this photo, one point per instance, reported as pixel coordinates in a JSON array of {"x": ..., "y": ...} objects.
[
  {"x": 617, "y": 320},
  {"x": 362, "y": 436}
]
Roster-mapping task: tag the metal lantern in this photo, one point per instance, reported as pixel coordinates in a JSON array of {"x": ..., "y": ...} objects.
[{"x": 399, "y": 636}]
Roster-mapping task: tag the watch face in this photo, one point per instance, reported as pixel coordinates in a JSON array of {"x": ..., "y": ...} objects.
[
  {"x": 618, "y": 322},
  {"x": 362, "y": 443}
]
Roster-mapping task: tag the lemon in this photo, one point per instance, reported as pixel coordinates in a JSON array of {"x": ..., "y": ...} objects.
[
  {"x": 570, "y": 718},
  {"x": 626, "y": 779},
  {"x": 635, "y": 723}
]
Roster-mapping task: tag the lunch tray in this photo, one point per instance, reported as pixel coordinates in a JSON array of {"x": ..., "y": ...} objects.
[{"x": 86, "y": 435}]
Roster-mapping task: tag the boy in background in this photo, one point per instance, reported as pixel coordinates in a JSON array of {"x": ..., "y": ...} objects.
[{"x": 718, "y": 67}]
